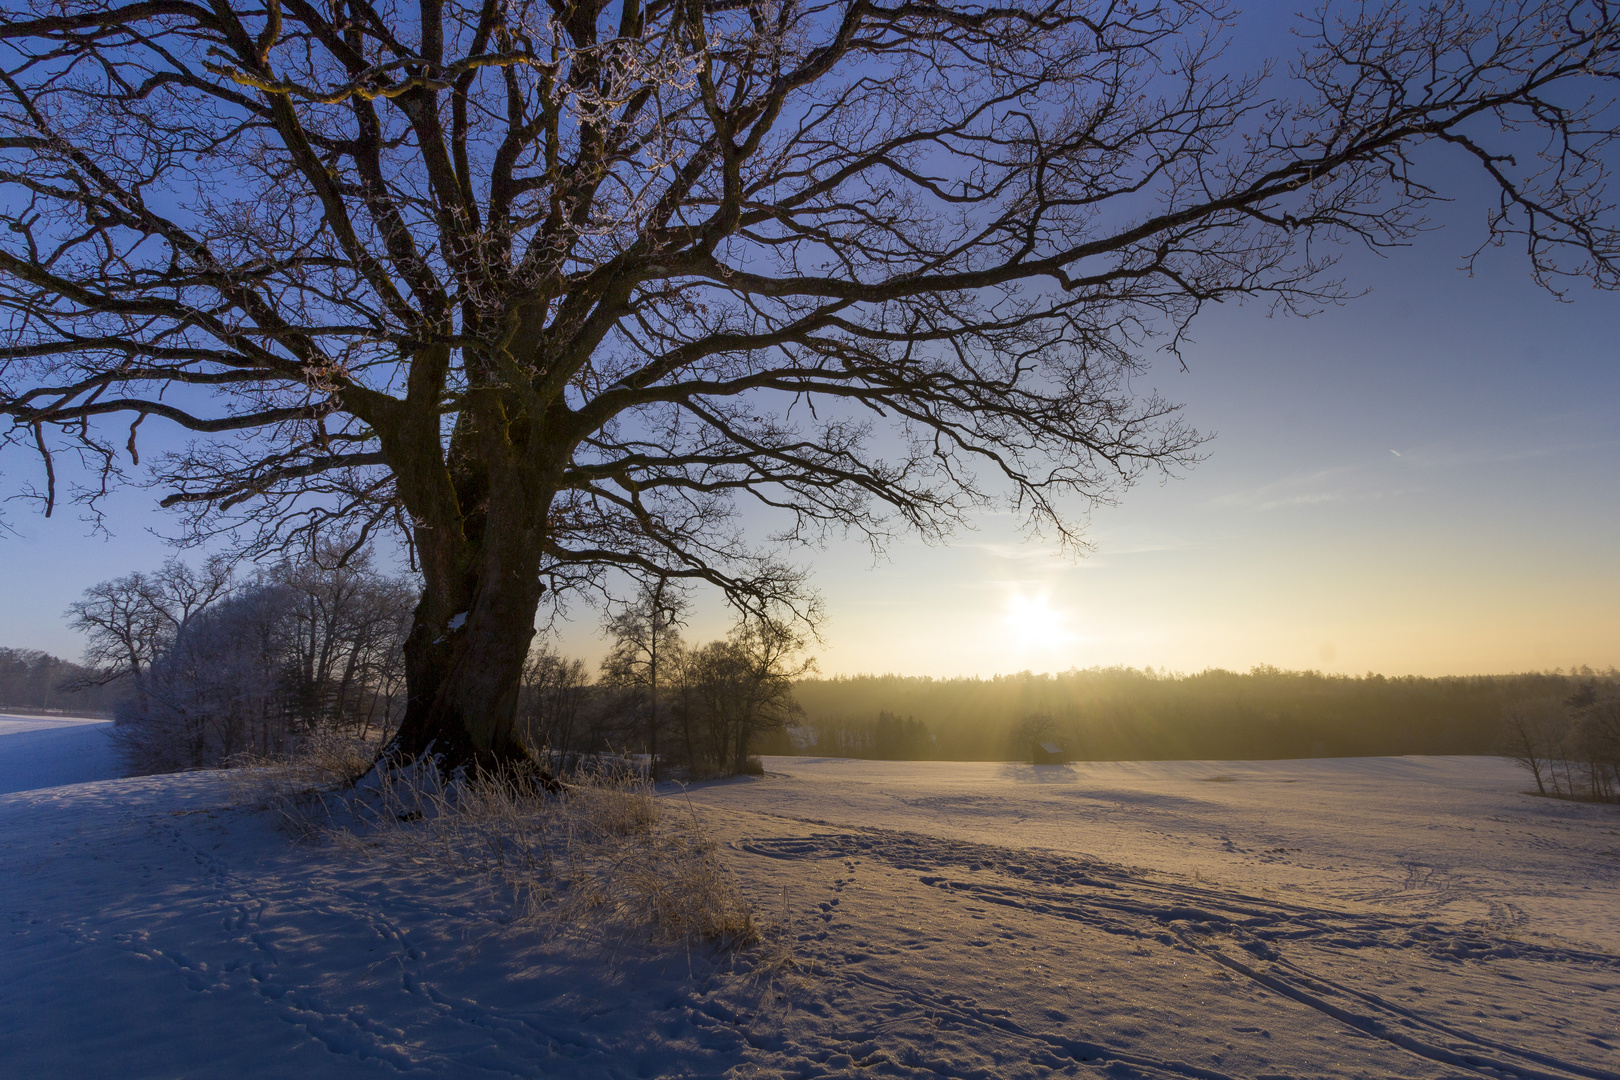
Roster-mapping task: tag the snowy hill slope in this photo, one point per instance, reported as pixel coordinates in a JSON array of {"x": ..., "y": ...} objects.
[{"x": 153, "y": 931}]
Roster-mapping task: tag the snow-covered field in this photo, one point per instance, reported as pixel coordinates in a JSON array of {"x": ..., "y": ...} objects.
[
  {"x": 40, "y": 752},
  {"x": 1453, "y": 839},
  {"x": 1390, "y": 917}
]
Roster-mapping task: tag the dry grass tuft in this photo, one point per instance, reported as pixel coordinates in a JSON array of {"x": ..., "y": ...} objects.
[
  {"x": 298, "y": 788},
  {"x": 606, "y": 858}
]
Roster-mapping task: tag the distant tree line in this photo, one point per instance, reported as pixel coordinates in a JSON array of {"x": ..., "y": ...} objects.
[
  {"x": 201, "y": 667},
  {"x": 887, "y": 737},
  {"x": 32, "y": 681},
  {"x": 1104, "y": 714}
]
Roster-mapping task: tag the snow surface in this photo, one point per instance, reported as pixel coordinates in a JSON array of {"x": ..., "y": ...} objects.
[
  {"x": 1452, "y": 838},
  {"x": 42, "y": 752},
  {"x": 1423, "y": 919}
]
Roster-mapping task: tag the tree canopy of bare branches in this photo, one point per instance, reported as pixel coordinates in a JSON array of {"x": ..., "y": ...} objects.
[
  {"x": 129, "y": 621},
  {"x": 551, "y": 287}
]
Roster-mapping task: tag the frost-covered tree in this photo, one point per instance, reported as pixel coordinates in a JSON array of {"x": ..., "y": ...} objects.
[
  {"x": 215, "y": 692},
  {"x": 308, "y": 645},
  {"x": 546, "y": 286}
]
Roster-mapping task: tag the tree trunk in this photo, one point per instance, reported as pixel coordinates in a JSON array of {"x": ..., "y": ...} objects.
[
  {"x": 745, "y": 725},
  {"x": 462, "y": 683},
  {"x": 481, "y": 508},
  {"x": 471, "y": 634}
]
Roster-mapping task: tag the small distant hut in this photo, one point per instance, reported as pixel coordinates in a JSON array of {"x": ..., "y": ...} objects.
[{"x": 1048, "y": 753}]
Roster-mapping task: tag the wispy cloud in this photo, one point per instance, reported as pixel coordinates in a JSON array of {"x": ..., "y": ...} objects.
[
  {"x": 1345, "y": 483},
  {"x": 1035, "y": 556},
  {"x": 1406, "y": 471}
]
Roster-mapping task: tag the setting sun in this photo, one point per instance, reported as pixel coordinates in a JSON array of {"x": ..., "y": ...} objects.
[{"x": 1035, "y": 628}]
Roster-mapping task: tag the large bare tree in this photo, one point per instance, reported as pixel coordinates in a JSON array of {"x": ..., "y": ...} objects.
[{"x": 548, "y": 285}]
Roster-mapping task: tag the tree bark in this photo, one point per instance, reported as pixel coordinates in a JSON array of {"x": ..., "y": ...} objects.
[
  {"x": 462, "y": 680},
  {"x": 473, "y": 626}
]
